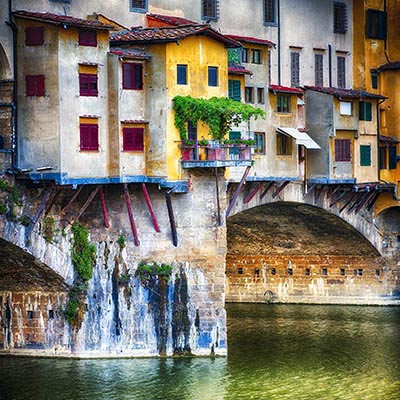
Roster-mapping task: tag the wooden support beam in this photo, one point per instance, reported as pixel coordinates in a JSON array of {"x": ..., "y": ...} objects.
[
  {"x": 280, "y": 188},
  {"x": 269, "y": 186},
  {"x": 237, "y": 192},
  {"x": 38, "y": 212},
  {"x": 319, "y": 194},
  {"x": 87, "y": 203},
  {"x": 53, "y": 201},
  {"x": 171, "y": 218},
  {"x": 334, "y": 191},
  {"x": 130, "y": 214},
  {"x": 338, "y": 198},
  {"x": 150, "y": 207},
  {"x": 352, "y": 197},
  {"x": 310, "y": 190},
  {"x": 104, "y": 208},
  {"x": 251, "y": 195},
  {"x": 218, "y": 201},
  {"x": 73, "y": 198},
  {"x": 373, "y": 201},
  {"x": 365, "y": 200},
  {"x": 360, "y": 197}
]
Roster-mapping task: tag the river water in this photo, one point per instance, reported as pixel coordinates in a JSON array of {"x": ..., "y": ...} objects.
[{"x": 275, "y": 352}]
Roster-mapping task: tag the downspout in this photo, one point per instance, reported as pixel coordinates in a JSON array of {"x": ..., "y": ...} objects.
[
  {"x": 278, "y": 16},
  {"x": 330, "y": 64},
  {"x": 378, "y": 128},
  {"x": 14, "y": 121}
]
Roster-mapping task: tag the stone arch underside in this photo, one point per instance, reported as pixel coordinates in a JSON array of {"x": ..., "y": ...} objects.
[
  {"x": 5, "y": 70},
  {"x": 389, "y": 220},
  {"x": 294, "y": 252}
]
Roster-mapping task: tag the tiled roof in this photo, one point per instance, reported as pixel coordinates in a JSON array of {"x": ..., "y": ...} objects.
[
  {"x": 284, "y": 89},
  {"x": 61, "y": 20},
  {"x": 249, "y": 39},
  {"x": 131, "y": 53},
  {"x": 390, "y": 66},
  {"x": 237, "y": 69},
  {"x": 345, "y": 93},
  {"x": 168, "y": 34},
  {"x": 170, "y": 20}
]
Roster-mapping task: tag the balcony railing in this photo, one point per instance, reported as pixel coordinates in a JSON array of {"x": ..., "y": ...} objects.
[{"x": 215, "y": 154}]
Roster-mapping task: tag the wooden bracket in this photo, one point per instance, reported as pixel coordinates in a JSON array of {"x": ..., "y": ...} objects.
[
  {"x": 171, "y": 218},
  {"x": 237, "y": 192},
  {"x": 218, "y": 202},
  {"x": 130, "y": 214},
  {"x": 86, "y": 205},
  {"x": 76, "y": 194},
  {"x": 104, "y": 208},
  {"x": 150, "y": 207},
  {"x": 253, "y": 193},
  {"x": 267, "y": 188},
  {"x": 280, "y": 188}
]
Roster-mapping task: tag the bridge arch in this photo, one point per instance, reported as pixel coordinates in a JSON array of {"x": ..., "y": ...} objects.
[
  {"x": 5, "y": 69},
  {"x": 388, "y": 223}
]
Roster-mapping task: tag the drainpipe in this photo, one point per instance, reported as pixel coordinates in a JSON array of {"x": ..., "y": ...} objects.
[
  {"x": 14, "y": 105},
  {"x": 378, "y": 128},
  {"x": 330, "y": 64},
  {"x": 278, "y": 16}
]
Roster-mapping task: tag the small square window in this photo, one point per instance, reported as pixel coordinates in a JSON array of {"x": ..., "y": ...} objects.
[
  {"x": 35, "y": 85},
  {"x": 89, "y": 137},
  {"x": 249, "y": 94},
  {"x": 290, "y": 271},
  {"x": 342, "y": 271},
  {"x": 34, "y": 36},
  {"x": 359, "y": 272},
  {"x": 240, "y": 270},
  {"x": 181, "y": 70},
  {"x": 377, "y": 272},
  {"x": 29, "y": 314},
  {"x": 283, "y": 103},
  {"x": 132, "y": 76},
  {"x": 259, "y": 146},
  {"x": 209, "y": 9},
  {"x": 139, "y": 6},
  {"x": 273, "y": 271},
  {"x": 307, "y": 272},
  {"x": 212, "y": 76},
  {"x": 133, "y": 139},
  {"x": 256, "y": 271},
  {"x": 51, "y": 314},
  {"x": 88, "y": 85},
  {"x": 324, "y": 271},
  {"x": 87, "y": 37},
  {"x": 256, "y": 56},
  {"x": 346, "y": 108},
  {"x": 260, "y": 96}
]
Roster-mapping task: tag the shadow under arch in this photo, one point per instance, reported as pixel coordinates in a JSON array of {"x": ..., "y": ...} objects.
[
  {"x": 5, "y": 69},
  {"x": 388, "y": 220},
  {"x": 22, "y": 272},
  {"x": 294, "y": 228}
]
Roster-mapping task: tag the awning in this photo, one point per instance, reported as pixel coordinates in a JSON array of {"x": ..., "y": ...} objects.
[{"x": 300, "y": 137}]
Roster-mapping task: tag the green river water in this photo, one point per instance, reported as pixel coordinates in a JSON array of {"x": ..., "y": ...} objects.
[{"x": 275, "y": 352}]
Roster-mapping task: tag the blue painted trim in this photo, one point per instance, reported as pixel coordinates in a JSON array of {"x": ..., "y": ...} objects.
[
  {"x": 326, "y": 181},
  {"x": 180, "y": 186},
  {"x": 272, "y": 178},
  {"x": 216, "y": 163}
]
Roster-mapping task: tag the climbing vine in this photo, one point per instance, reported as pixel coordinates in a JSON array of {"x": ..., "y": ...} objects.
[
  {"x": 145, "y": 271},
  {"x": 219, "y": 113}
]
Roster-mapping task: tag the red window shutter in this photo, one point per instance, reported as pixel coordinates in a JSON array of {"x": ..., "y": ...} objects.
[
  {"x": 132, "y": 76},
  {"x": 133, "y": 139},
  {"x": 87, "y": 38},
  {"x": 34, "y": 36},
  {"x": 35, "y": 85},
  {"x": 127, "y": 82},
  {"x": 138, "y": 76},
  {"x": 342, "y": 150},
  {"x": 89, "y": 137},
  {"x": 88, "y": 85}
]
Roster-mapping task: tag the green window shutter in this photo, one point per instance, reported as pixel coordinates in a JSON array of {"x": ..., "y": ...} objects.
[
  {"x": 234, "y": 89},
  {"x": 392, "y": 157},
  {"x": 365, "y": 155},
  {"x": 365, "y": 111},
  {"x": 382, "y": 157}
]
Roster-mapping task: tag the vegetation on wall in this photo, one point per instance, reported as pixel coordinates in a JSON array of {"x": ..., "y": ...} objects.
[
  {"x": 218, "y": 113},
  {"x": 48, "y": 229},
  {"x": 146, "y": 271},
  {"x": 10, "y": 200}
]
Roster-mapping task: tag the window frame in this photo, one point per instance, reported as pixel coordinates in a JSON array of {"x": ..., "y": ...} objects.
[
  {"x": 92, "y": 142},
  {"x": 269, "y": 12},
  {"x": 35, "y": 85},
  {"x": 319, "y": 69},
  {"x": 180, "y": 68},
  {"x": 365, "y": 155},
  {"x": 376, "y": 24},
  {"x": 342, "y": 150},
  {"x": 138, "y": 8},
  {"x": 87, "y": 37},
  {"x": 341, "y": 72},
  {"x": 234, "y": 89},
  {"x": 259, "y": 146},
  {"x": 340, "y": 17},
  {"x": 284, "y": 144},
  {"x": 342, "y": 109},
  {"x": 255, "y": 56},
  {"x": 209, "y": 10},
  {"x": 132, "y": 144},
  {"x": 285, "y": 106},
  {"x": 212, "y": 76},
  {"x": 260, "y": 95},
  {"x": 88, "y": 78},
  {"x": 34, "y": 36},
  {"x": 130, "y": 74},
  {"x": 392, "y": 157},
  {"x": 365, "y": 110},
  {"x": 294, "y": 68},
  {"x": 249, "y": 94},
  {"x": 374, "y": 79},
  {"x": 245, "y": 55}
]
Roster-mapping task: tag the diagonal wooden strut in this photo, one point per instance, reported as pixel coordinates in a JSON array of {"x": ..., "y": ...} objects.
[
  {"x": 104, "y": 208},
  {"x": 53, "y": 201},
  {"x": 130, "y": 214},
  {"x": 87, "y": 203},
  {"x": 237, "y": 191},
  {"x": 171, "y": 218},
  {"x": 280, "y": 188},
  {"x": 252, "y": 193},
  {"x": 218, "y": 202},
  {"x": 269, "y": 186},
  {"x": 150, "y": 207},
  {"x": 63, "y": 211}
]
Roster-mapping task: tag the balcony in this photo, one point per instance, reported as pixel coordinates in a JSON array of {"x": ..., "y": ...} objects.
[{"x": 212, "y": 154}]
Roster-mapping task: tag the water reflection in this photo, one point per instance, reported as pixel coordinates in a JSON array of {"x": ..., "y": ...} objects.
[{"x": 276, "y": 352}]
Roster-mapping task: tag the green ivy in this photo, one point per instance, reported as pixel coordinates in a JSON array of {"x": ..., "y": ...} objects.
[
  {"x": 71, "y": 311},
  {"x": 219, "y": 113},
  {"x": 83, "y": 252},
  {"x": 147, "y": 270},
  {"x": 48, "y": 229},
  {"x": 121, "y": 241}
]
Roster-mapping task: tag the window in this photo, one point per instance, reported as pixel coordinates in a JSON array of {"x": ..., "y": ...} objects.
[
  {"x": 392, "y": 157},
  {"x": 341, "y": 72},
  {"x": 269, "y": 11},
  {"x": 273, "y": 271},
  {"x": 307, "y": 272},
  {"x": 342, "y": 271},
  {"x": 374, "y": 79},
  {"x": 377, "y": 273},
  {"x": 29, "y": 314},
  {"x": 209, "y": 9},
  {"x": 181, "y": 70},
  {"x": 359, "y": 272},
  {"x": 249, "y": 94},
  {"x": 260, "y": 96},
  {"x": 89, "y": 135},
  {"x": 382, "y": 158},
  {"x": 234, "y": 135},
  {"x": 319, "y": 69},
  {"x": 51, "y": 314},
  {"x": 295, "y": 68},
  {"x": 283, "y": 145},
  {"x": 346, "y": 108},
  {"x": 259, "y": 146},
  {"x": 132, "y": 76},
  {"x": 283, "y": 103},
  {"x": 342, "y": 150},
  {"x": 132, "y": 139},
  {"x": 290, "y": 271},
  {"x": 324, "y": 271},
  {"x": 212, "y": 76},
  {"x": 87, "y": 38},
  {"x": 365, "y": 155},
  {"x": 240, "y": 270},
  {"x": 245, "y": 55},
  {"x": 365, "y": 109},
  {"x": 256, "y": 56},
  {"x": 339, "y": 18},
  {"x": 192, "y": 131},
  {"x": 376, "y": 24},
  {"x": 88, "y": 84},
  {"x": 139, "y": 5},
  {"x": 234, "y": 89},
  {"x": 34, "y": 36},
  {"x": 35, "y": 85}
]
